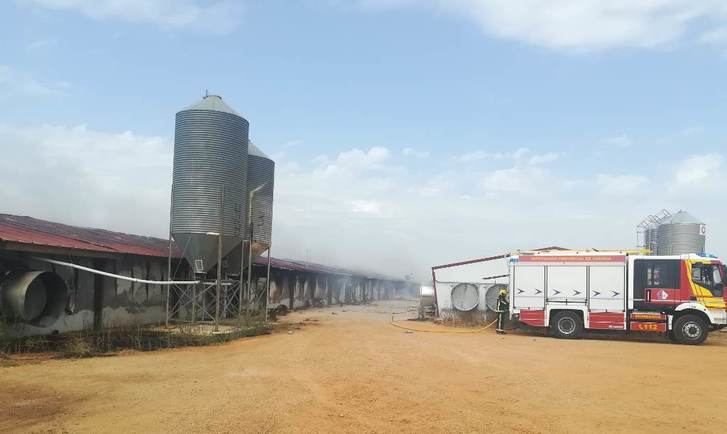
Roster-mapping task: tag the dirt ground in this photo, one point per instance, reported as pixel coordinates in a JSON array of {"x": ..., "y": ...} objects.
[{"x": 348, "y": 370}]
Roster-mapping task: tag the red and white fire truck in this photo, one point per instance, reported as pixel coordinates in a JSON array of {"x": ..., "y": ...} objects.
[{"x": 683, "y": 296}]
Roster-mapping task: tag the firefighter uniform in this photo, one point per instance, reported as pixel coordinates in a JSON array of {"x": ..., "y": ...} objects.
[{"x": 502, "y": 307}]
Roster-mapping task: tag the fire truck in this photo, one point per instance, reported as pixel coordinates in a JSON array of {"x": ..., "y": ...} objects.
[{"x": 568, "y": 292}]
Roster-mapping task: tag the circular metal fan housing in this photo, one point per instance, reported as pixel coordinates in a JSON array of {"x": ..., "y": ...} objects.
[{"x": 465, "y": 297}]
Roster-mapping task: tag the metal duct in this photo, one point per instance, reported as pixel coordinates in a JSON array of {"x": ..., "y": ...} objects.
[
  {"x": 34, "y": 297},
  {"x": 426, "y": 295}
]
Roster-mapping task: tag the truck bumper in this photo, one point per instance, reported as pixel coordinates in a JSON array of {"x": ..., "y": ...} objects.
[{"x": 718, "y": 316}]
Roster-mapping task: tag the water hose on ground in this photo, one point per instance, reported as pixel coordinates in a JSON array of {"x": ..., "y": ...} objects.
[{"x": 455, "y": 331}]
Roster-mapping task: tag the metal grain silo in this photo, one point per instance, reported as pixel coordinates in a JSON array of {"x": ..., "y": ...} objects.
[
  {"x": 647, "y": 232},
  {"x": 679, "y": 234},
  {"x": 260, "y": 186},
  {"x": 651, "y": 239},
  {"x": 260, "y": 183},
  {"x": 209, "y": 181}
]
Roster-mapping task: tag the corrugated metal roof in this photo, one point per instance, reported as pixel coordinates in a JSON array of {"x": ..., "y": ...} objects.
[
  {"x": 32, "y": 231},
  {"x": 295, "y": 265},
  {"x": 289, "y": 264},
  {"x": 29, "y": 230}
]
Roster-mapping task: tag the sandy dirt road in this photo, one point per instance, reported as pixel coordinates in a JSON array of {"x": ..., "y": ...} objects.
[{"x": 353, "y": 372}]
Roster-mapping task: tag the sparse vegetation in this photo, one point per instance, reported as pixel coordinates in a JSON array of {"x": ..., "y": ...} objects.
[
  {"x": 4, "y": 358},
  {"x": 76, "y": 348},
  {"x": 111, "y": 340}
]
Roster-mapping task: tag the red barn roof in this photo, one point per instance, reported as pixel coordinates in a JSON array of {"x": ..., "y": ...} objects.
[
  {"x": 29, "y": 230},
  {"x": 42, "y": 233}
]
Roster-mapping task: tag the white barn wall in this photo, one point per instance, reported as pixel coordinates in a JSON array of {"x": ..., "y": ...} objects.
[{"x": 448, "y": 278}]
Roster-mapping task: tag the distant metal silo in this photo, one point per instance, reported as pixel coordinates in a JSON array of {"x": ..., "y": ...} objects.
[
  {"x": 647, "y": 234},
  {"x": 209, "y": 181},
  {"x": 651, "y": 237},
  {"x": 261, "y": 184},
  {"x": 679, "y": 234}
]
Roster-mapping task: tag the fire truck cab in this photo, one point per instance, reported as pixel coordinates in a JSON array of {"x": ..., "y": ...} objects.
[{"x": 571, "y": 291}]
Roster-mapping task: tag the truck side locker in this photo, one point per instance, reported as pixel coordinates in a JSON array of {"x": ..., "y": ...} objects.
[
  {"x": 607, "y": 297},
  {"x": 567, "y": 284},
  {"x": 528, "y": 293}
]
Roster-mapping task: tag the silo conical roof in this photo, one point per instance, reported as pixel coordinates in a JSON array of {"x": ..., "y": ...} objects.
[
  {"x": 212, "y": 103},
  {"x": 255, "y": 151},
  {"x": 682, "y": 217}
]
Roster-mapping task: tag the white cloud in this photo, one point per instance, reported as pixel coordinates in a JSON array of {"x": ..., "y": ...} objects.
[
  {"x": 292, "y": 144},
  {"x": 472, "y": 156},
  {"x": 527, "y": 176},
  {"x": 621, "y": 185},
  {"x": 321, "y": 160},
  {"x": 399, "y": 221},
  {"x": 367, "y": 212},
  {"x": 411, "y": 152},
  {"x": 581, "y": 24},
  {"x": 546, "y": 158},
  {"x": 82, "y": 176},
  {"x": 619, "y": 141},
  {"x": 699, "y": 170},
  {"x": 716, "y": 36},
  {"x": 15, "y": 83},
  {"x": 217, "y": 16},
  {"x": 438, "y": 184},
  {"x": 521, "y": 180},
  {"x": 480, "y": 155},
  {"x": 522, "y": 156},
  {"x": 354, "y": 161}
]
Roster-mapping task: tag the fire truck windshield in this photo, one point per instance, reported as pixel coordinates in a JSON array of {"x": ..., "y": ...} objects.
[{"x": 710, "y": 276}]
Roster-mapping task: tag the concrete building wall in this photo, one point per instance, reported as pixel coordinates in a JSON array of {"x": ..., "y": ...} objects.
[
  {"x": 315, "y": 288},
  {"x": 96, "y": 301}
]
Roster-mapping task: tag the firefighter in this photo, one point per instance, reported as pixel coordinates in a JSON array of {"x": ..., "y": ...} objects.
[{"x": 502, "y": 307}]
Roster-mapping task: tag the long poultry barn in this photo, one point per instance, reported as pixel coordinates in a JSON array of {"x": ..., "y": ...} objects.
[{"x": 42, "y": 297}]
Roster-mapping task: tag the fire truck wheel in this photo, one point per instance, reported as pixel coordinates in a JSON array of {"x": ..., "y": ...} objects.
[
  {"x": 566, "y": 325},
  {"x": 690, "y": 330}
]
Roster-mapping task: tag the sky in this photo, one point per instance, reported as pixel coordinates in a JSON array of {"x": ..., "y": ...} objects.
[{"x": 406, "y": 133}]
